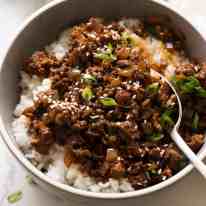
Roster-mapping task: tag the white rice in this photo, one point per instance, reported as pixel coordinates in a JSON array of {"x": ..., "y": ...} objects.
[
  {"x": 75, "y": 178},
  {"x": 31, "y": 86},
  {"x": 54, "y": 162},
  {"x": 60, "y": 47},
  {"x": 20, "y": 129},
  {"x": 56, "y": 169}
]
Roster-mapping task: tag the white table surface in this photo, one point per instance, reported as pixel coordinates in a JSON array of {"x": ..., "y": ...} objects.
[{"x": 190, "y": 191}]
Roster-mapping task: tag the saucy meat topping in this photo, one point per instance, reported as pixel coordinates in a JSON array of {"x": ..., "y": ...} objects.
[{"x": 106, "y": 108}]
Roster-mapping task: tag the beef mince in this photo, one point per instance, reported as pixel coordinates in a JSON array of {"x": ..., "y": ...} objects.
[{"x": 107, "y": 110}]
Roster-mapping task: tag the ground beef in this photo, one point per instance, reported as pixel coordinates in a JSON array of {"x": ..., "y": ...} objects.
[
  {"x": 108, "y": 111},
  {"x": 40, "y": 64}
]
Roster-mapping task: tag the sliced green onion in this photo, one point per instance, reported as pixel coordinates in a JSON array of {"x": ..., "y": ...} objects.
[
  {"x": 166, "y": 118},
  {"x": 155, "y": 137},
  {"x": 153, "y": 88},
  {"x": 29, "y": 179},
  {"x": 186, "y": 85},
  {"x": 195, "y": 121},
  {"x": 106, "y": 54},
  {"x": 108, "y": 101},
  {"x": 110, "y": 47},
  {"x": 87, "y": 94},
  {"x": 189, "y": 85},
  {"x": 105, "y": 57},
  {"x": 89, "y": 79},
  {"x": 15, "y": 197},
  {"x": 128, "y": 38}
]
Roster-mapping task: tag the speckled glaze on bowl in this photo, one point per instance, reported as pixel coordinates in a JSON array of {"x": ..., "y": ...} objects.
[{"x": 42, "y": 28}]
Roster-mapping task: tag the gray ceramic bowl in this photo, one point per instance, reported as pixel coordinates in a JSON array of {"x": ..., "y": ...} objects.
[{"x": 42, "y": 28}]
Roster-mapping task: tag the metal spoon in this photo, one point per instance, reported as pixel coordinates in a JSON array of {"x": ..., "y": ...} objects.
[{"x": 199, "y": 165}]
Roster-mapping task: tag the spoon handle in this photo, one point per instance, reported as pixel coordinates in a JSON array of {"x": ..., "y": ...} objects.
[{"x": 199, "y": 165}]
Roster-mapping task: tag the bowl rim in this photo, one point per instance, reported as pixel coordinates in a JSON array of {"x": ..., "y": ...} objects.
[{"x": 67, "y": 188}]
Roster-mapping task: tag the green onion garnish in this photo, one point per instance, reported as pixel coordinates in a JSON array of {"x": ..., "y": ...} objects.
[
  {"x": 127, "y": 38},
  {"x": 108, "y": 101},
  {"x": 195, "y": 121},
  {"x": 155, "y": 137},
  {"x": 189, "y": 85},
  {"x": 87, "y": 94},
  {"x": 106, "y": 54},
  {"x": 15, "y": 197},
  {"x": 153, "y": 88},
  {"x": 89, "y": 79},
  {"x": 29, "y": 179},
  {"x": 166, "y": 118}
]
